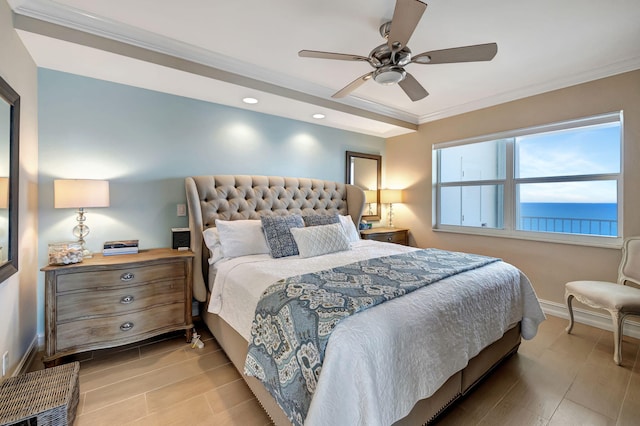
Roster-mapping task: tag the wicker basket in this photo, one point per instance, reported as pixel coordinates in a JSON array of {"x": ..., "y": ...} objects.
[{"x": 45, "y": 397}]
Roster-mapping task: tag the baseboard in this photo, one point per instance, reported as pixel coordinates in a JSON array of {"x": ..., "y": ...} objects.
[
  {"x": 27, "y": 359},
  {"x": 595, "y": 319}
]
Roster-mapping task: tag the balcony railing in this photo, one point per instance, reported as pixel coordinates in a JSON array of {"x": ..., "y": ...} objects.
[{"x": 569, "y": 225}]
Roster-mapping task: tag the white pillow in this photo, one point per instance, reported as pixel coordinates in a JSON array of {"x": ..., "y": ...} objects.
[
  {"x": 322, "y": 239},
  {"x": 349, "y": 228},
  {"x": 212, "y": 241},
  {"x": 241, "y": 237}
]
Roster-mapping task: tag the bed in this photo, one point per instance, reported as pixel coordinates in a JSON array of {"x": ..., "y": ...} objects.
[{"x": 400, "y": 362}]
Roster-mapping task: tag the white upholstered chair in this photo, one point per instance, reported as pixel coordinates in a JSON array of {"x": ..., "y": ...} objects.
[{"x": 617, "y": 298}]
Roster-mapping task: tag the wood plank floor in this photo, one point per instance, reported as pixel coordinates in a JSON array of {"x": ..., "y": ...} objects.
[{"x": 555, "y": 379}]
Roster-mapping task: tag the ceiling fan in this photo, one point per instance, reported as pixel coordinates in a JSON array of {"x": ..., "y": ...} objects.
[{"x": 390, "y": 58}]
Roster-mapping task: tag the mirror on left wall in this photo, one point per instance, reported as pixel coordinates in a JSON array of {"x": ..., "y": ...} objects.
[{"x": 9, "y": 146}]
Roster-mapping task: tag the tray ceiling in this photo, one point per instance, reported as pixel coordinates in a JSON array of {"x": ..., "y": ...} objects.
[{"x": 222, "y": 51}]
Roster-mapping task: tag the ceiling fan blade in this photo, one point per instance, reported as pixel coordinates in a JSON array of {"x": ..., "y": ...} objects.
[
  {"x": 405, "y": 19},
  {"x": 352, "y": 86},
  {"x": 412, "y": 88},
  {"x": 478, "y": 52},
  {"x": 331, "y": 55}
]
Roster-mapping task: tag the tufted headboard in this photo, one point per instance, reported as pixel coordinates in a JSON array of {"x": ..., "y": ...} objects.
[{"x": 234, "y": 197}]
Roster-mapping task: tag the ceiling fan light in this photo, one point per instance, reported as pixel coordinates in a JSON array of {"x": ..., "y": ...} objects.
[{"x": 389, "y": 75}]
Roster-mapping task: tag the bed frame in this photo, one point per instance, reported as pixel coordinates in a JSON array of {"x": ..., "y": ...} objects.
[{"x": 233, "y": 197}]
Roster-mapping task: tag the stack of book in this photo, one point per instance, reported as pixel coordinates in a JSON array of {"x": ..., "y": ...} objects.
[{"x": 120, "y": 247}]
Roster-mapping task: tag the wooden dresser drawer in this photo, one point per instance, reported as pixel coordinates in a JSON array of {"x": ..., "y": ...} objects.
[
  {"x": 84, "y": 304},
  {"x": 111, "y": 329},
  {"x": 387, "y": 235},
  {"x": 119, "y": 276},
  {"x": 390, "y": 237}
]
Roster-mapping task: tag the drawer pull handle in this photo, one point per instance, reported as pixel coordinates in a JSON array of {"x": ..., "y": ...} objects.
[
  {"x": 126, "y": 300},
  {"x": 389, "y": 238},
  {"x": 127, "y": 276},
  {"x": 126, "y": 326}
]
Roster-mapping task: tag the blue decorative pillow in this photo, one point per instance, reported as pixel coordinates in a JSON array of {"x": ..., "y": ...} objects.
[
  {"x": 320, "y": 219},
  {"x": 279, "y": 238}
]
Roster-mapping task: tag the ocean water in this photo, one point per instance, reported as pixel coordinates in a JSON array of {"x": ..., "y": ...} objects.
[{"x": 574, "y": 218}]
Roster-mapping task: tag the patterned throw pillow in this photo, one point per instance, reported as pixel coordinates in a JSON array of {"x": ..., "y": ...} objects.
[
  {"x": 279, "y": 238},
  {"x": 322, "y": 239},
  {"x": 320, "y": 219}
]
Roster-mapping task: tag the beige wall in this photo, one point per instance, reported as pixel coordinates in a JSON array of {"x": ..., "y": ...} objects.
[
  {"x": 548, "y": 265},
  {"x": 18, "y": 294}
]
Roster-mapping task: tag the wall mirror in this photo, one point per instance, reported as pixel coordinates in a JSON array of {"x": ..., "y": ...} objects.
[
  {"x": 365, "y": 171},
  {"x": 9, "y": 145}
]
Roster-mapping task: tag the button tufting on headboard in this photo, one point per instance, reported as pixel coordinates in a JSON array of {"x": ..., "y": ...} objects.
[{"x": 235, "y": 197}]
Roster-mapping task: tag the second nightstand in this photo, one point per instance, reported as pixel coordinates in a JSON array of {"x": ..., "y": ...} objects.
[{"x": 388, "y": 235}]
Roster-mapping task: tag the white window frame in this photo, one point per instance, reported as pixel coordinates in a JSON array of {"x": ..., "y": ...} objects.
[{"x": 510, "y": 183}]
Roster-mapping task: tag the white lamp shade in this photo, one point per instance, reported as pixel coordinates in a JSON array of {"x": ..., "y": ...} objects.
[
  {"x": 390, "y": 196},
  {"x": 370, "y": 196},
  {"x": 80, "y": 193},
  {"x": 4, "y": 192}
]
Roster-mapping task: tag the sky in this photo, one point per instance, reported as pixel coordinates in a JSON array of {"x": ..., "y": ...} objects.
[
  {"x": 592, "y": 150},
  {"x": 585, "y": 151}
]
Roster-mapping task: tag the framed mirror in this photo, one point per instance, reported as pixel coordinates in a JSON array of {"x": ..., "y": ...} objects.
[
  {"x": 365, "y": 171},
  {"x": 9, "y": 159}
]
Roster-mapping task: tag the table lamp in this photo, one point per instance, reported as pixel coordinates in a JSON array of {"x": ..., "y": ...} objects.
[
  {"x": 370, "y": 197},
  {"x": 80, "y": 194},
  {"x": 390, "y": 196}
]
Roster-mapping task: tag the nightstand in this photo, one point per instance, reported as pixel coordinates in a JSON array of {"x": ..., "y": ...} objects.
[
  {"x": 107, "y": 301},
  {"x": 388, "y": 235}
]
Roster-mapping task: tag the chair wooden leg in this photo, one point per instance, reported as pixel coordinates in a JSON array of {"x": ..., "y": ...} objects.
[
  {"x": 570, "y": 326},
  {"x": 618, "y": 321}
]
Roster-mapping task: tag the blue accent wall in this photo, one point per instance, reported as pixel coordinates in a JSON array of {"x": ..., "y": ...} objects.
[{"x": 145, "y": 143}]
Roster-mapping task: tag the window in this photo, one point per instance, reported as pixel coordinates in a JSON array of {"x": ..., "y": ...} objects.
[{"x": 561, "y": 182}]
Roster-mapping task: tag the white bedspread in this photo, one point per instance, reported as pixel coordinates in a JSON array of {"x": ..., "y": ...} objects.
[{"x": 381, "y": 361}]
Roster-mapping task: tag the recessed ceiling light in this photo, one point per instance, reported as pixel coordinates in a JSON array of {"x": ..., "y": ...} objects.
[
  {"x": 250, "y": 100},
  {"x": 318, "y": 116}
]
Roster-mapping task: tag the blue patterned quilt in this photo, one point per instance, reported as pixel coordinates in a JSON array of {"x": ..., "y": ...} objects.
[{"x": 295, "y": 316}]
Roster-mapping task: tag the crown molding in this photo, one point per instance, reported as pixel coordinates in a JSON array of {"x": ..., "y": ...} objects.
[
  {"x": 609, "y": 70},
  {"x": 75, "y": 19}
]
